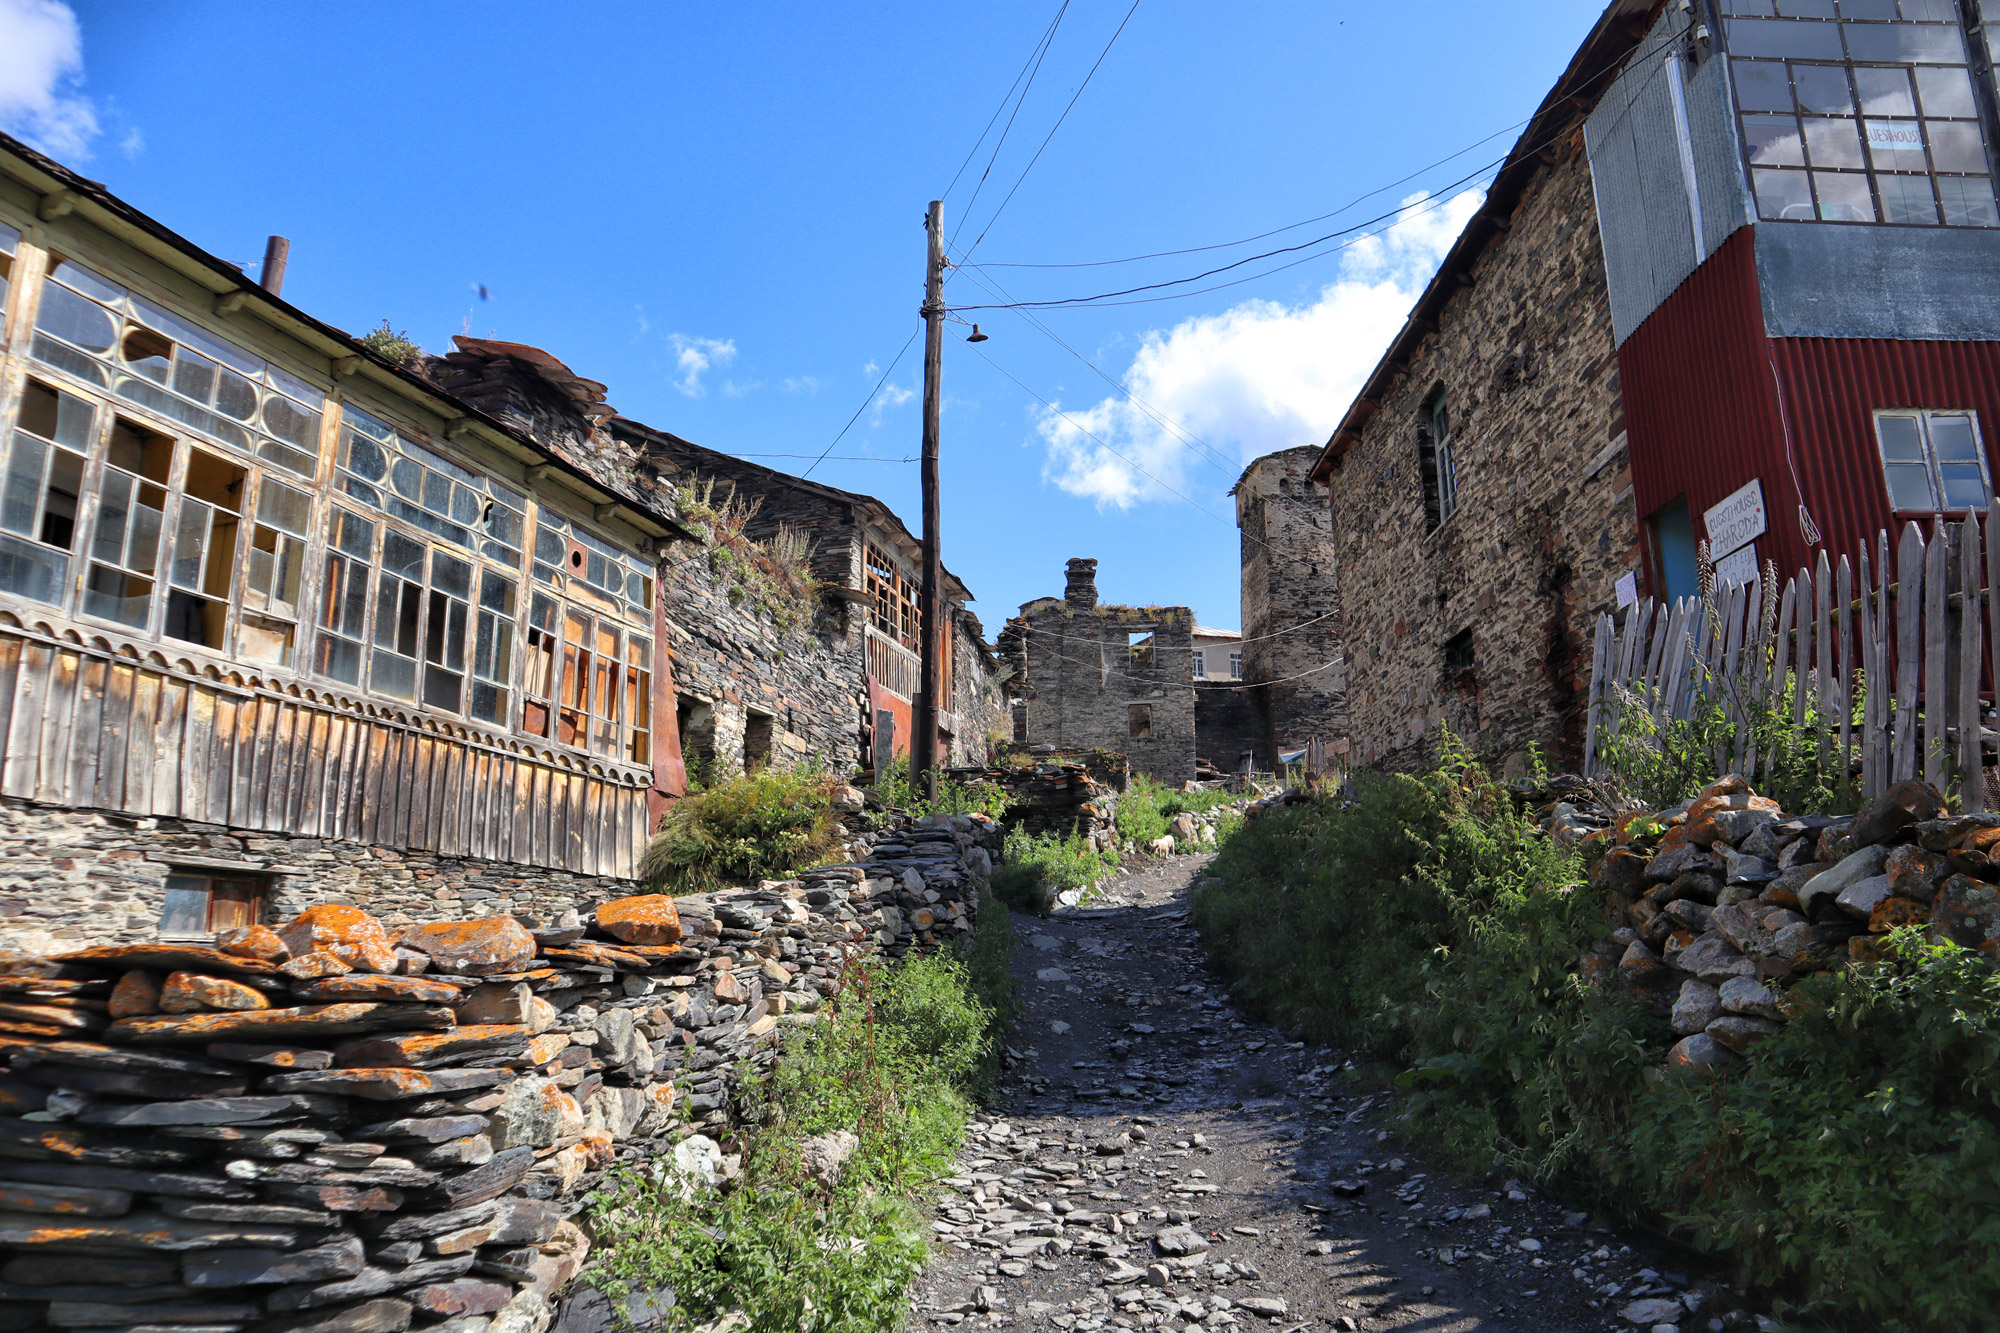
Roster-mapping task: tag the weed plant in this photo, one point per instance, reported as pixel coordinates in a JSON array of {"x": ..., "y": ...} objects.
[
  {"x": 896, "y": 1058},
  {"x": 1428, "y": 923},
  {"x": 953, "y": 797},
  {"x": 1146, "y": 807},
  {"x": 757, "y": 826},
  {"x": 1038, "y": 866}
]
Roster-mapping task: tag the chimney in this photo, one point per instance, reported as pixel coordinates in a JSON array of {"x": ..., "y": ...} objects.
[
  {"x": 272, "y": 276},
  {"x": 1082, "y": 590}
]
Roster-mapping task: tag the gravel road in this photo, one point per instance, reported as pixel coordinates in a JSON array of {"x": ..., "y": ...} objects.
[{"x": 1155, "y": 1160}]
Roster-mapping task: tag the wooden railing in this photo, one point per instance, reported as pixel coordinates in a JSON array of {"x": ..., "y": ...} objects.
[
  {"x": 1912, "y": 639},
  {"x": 892, "y": 666}
]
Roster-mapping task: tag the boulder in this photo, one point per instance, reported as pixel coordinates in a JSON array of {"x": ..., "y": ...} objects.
[
  {"x": 826, "y": 1156},
  {"x": 348, "y": 933},
  {"x": 535, "y": 1113},
  {"x": 1905, "y": 803},
  {"x": 1967, "y": 912},
  {"x": 497, "y": 1002},
  {"x": 1915, "y": 873},
  {"x": 1714, "y": 960},
  {"x": 620, "y": 1040},
  {"x": 1861, "y": 898},
  {"x": 1749, "y": 996},
  {"x": 698, "y": 1160},
  {"x": 476, "y": 948},
  {"x": 1866, "y": 863},
  {"x": 136, "y": 993},
  {"x": 1700, "y": 1051},
  {"x": 647, "y": 918},
  {"x": 259, "y": 942},
  {"x": 1696, "y": 1006},
  {"x": 1739, "y": 1032},
  {"x": 189, "y": 992}
]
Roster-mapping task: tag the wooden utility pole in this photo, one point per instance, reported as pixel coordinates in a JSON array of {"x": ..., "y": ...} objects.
[{"x": 923, "y": 744}]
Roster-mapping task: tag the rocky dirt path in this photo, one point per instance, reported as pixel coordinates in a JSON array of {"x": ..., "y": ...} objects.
[{"x": 1155, "y": 1160}]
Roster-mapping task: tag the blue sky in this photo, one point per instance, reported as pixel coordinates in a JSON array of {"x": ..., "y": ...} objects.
[{"x": 717, "y": 211}]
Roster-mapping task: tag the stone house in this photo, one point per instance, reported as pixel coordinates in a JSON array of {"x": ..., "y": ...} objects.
[
  {"x": 848, "y": 667},
  {"x": 1290, "y": 650},
  {"x": 1091, "y": 676},
  {"x": 280, "y": 618}
]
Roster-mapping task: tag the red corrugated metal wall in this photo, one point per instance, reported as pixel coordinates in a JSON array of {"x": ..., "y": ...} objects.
[{"x": 1703, "y": 409}]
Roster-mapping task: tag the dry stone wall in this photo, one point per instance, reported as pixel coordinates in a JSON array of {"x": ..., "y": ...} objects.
[
  {"x": 1483, "y": 625},
  {"x": 1724, "y": 902},
  {"x": 335, "y": 1127}
]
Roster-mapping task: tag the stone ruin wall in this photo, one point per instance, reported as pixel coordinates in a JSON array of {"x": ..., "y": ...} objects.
[
  {"x": 1291, "y": 607},
  {"x": 1545, "y": 523},
  {"x": 1080, "y": 682},
  {"x": 338, "y": 1127}
]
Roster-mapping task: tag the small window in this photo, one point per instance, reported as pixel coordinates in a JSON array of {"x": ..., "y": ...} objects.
[
  {"x": 1139, "y": 650},
  {"x": 1139, "y": 721},
  {"x": 1200, "y": 665},
  {"x": 205, "y": 559},
  {"x": 1236, "y": 666},
  {"x": 1458, "y": 655},
  {"x": 1020, "y": 712},
  {"x": 9, "y": 240},
  {"x": 1932, "y": 461},
  {"x": 201, "y": 906},
  {"x": 39, "y": 490},
  {"x": 1437, "y": 463},
  {"x": 757, "y": 734}
]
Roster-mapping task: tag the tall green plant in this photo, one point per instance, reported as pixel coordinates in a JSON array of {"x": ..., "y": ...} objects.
[{"x": 756, "y": 826}]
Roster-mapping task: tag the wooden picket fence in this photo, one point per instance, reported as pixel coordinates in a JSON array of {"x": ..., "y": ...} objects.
[{"x": 1914, "y": 641}]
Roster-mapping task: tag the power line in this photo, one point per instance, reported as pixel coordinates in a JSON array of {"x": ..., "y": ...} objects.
[
  {"x": 834, "y": 458},
  {"x": 1275, "y": 231},
  {"x": 973, "y": 152},
  {"x": 1047, "y": 43},
  {"x": 1052, "y": 129},
  {"x": 864, "y": 405}
]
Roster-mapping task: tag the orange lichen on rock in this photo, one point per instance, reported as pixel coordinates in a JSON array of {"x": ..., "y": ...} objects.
[
  {"x": 646, "y": 918},
  {"x": 348, "y": 933},
  {"x": 480, "y": 947},
  {"x": 190, "y": 992}
]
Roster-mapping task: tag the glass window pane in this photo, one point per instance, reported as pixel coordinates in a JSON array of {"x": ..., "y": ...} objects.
[
  {"x": 75, "y": 320},
  {"x": 1968, "y": 201},
  {"x": 1805, "y": 9},
  {"x": 402, "y": 556},
  {"x": 280, "y": 506},
  {"x": 363, "y": 456},
  {"x": 21, "y": 489},
  {"x": 32, "y": 571},
  {"x": 1868, "y": 9},
  {"x": 112, "y": 594},
  {"x": 393, "y": 675},
  {"x": 1909, "y": 486},
  {"x": 1918, "y": 43},
  {"x": 1885, "y": 92},
  {"x": 1946, "y": 92},
  {"x": 81, "y": 278},
  {"x": 1907, "y": 199},
  {"x": 1778, "y": 37},
  {"x": 235, "y": 396},
  {"x": 1774, "y": 141},
  {"x": 1844, "y": 198},
  {"x": 451, "y": 575},
  {"x": 1762, "y": 86},
  {"x": 1956, "y": 146},
  {"x": 1747, "y": 8},
  {"x": 1896, "y": 145},
  {"x": 194, "y": 376},
  {"x": 297, "y": 388},
  {"x": 184, "y": 911},
  {"x": 114, "y": 501},
  {"x": 338, "y": 659},
  {"x": 1833, "y": 142},
  {"x": 1953, "y": 439},
  {"x": 190, "y": 540},
  {"x": 1901, "y": 438},
  {"x": 1822, "y": 89},
  {"x": 1964, "y": 486},
  {"x": 60, "y": 498},
  {"x": 288, "y": 421}
]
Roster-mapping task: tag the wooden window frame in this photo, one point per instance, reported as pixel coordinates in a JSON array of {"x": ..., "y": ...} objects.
[{"x": 244, "y": 898}]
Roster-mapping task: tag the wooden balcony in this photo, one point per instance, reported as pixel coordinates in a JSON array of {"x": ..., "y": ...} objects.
[{"x": 892, "y": 666}]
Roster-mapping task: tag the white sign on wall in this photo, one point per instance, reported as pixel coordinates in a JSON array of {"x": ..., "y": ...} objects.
[
  {"x": 1739, "y": 566},
  {"x": 1628, "y": 589},
  {"x": 1736, "y": 521}
]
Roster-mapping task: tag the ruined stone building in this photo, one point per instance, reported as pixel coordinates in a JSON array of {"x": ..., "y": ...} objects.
[
  {"x": 1290, "y": 651},
  {"x": 284, "y": 620},
  {"x": 1738, "y": 282},
  {"x": 1092, "y": 676}
]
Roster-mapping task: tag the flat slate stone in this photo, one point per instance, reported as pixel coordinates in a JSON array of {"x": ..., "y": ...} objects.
[
  {"x": 87, "y": 1176},
  {"x": 92, "y": 1314},
  {"x": 274, "y": 1214},
  {"x": 422, "y": 1226},
  {"x": 124, "y": 1270},
  {"x": 482, "y": 1182},
  {"x": 431, "y": 1129},
  {"x": 338, "y": 1258},
  {"x": 383, "y": 1316},
  {"x": 39, "y": 1141},
  {"x": 373, "y": 986},
  {"x": 120, "y": 1059},
  {"x": 277, "y": 1057},
  {"x": 148, "y": 1085},
  {"x": 137, "y": 1231},
  {"x": 370, "y": 1282},
  {"x": 166, "y": 958},
  {"x": 500, "y": 1041},
  {"x": 65, "y": 1200},
  {"x": 386, "y": 1085},
  {"x": 206, "y": 1111},
  {"x": 314, "y": 1020}
]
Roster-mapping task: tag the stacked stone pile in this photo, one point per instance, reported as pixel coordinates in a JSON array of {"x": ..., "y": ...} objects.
[
  {"x": 1723, "y": 902},
  {"x": 321, "y": 1127},
  {"x": 1062, "y": 792}
]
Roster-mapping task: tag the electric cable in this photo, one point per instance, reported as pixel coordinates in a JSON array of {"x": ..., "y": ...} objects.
[
  {"x": 1052, "y": 129},
  {"x": 1048, "y": 42},
  {"x": 1008, "y": 96}
]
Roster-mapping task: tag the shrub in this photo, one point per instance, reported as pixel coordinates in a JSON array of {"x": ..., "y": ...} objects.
[
  {"x": 1146, "y": 807},
  {"x": 953, "y": 797},
  {"x": 1038, "y": 866},
  {"x": 757, "y": 826},
  {"x": 398, "y": 349},
  {"x": 1429, "y": 923},
  {"x": 893, "y": 1060}
]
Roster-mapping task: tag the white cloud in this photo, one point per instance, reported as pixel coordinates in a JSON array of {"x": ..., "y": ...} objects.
[
  {"x": 805, "y": 384},
  {"x": 41, "y": 67},
  {"x": 1260, "y": 376},
  {"x": 695, "y": 357},
  {"x": 892, "y": 396},
  {"x": 133, "y": 145}
]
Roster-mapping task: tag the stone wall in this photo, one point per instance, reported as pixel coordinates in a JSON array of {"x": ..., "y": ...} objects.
[
  {"x": 1292, "y": 643},
  {"x": 339, "y": 1128},
  {"x": 1086, "y": 689},
  {"x": 978, "y": 704},
  {"x": 735, "y": 660},
  {"x": 1484, "y": 624},
  {"x": 1230, "y": 721}
]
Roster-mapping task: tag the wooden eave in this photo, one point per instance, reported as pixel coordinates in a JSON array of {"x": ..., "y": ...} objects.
[
  {"x": 62, "y": 193},
  {"x": 1617, "y": 33}
]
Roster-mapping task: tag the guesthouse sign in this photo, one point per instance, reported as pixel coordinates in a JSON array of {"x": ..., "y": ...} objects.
[{"x": 1736, "y": 521}]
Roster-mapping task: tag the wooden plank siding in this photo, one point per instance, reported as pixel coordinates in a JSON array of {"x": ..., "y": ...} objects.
[{"x": 88, "y": 727}]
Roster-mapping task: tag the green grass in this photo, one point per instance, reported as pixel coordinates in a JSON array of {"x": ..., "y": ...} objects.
[
  {"x": 1430, "y": 925},
  {"x": 896, "y": 1059},
  {"x": 1146, "y": 807}
]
